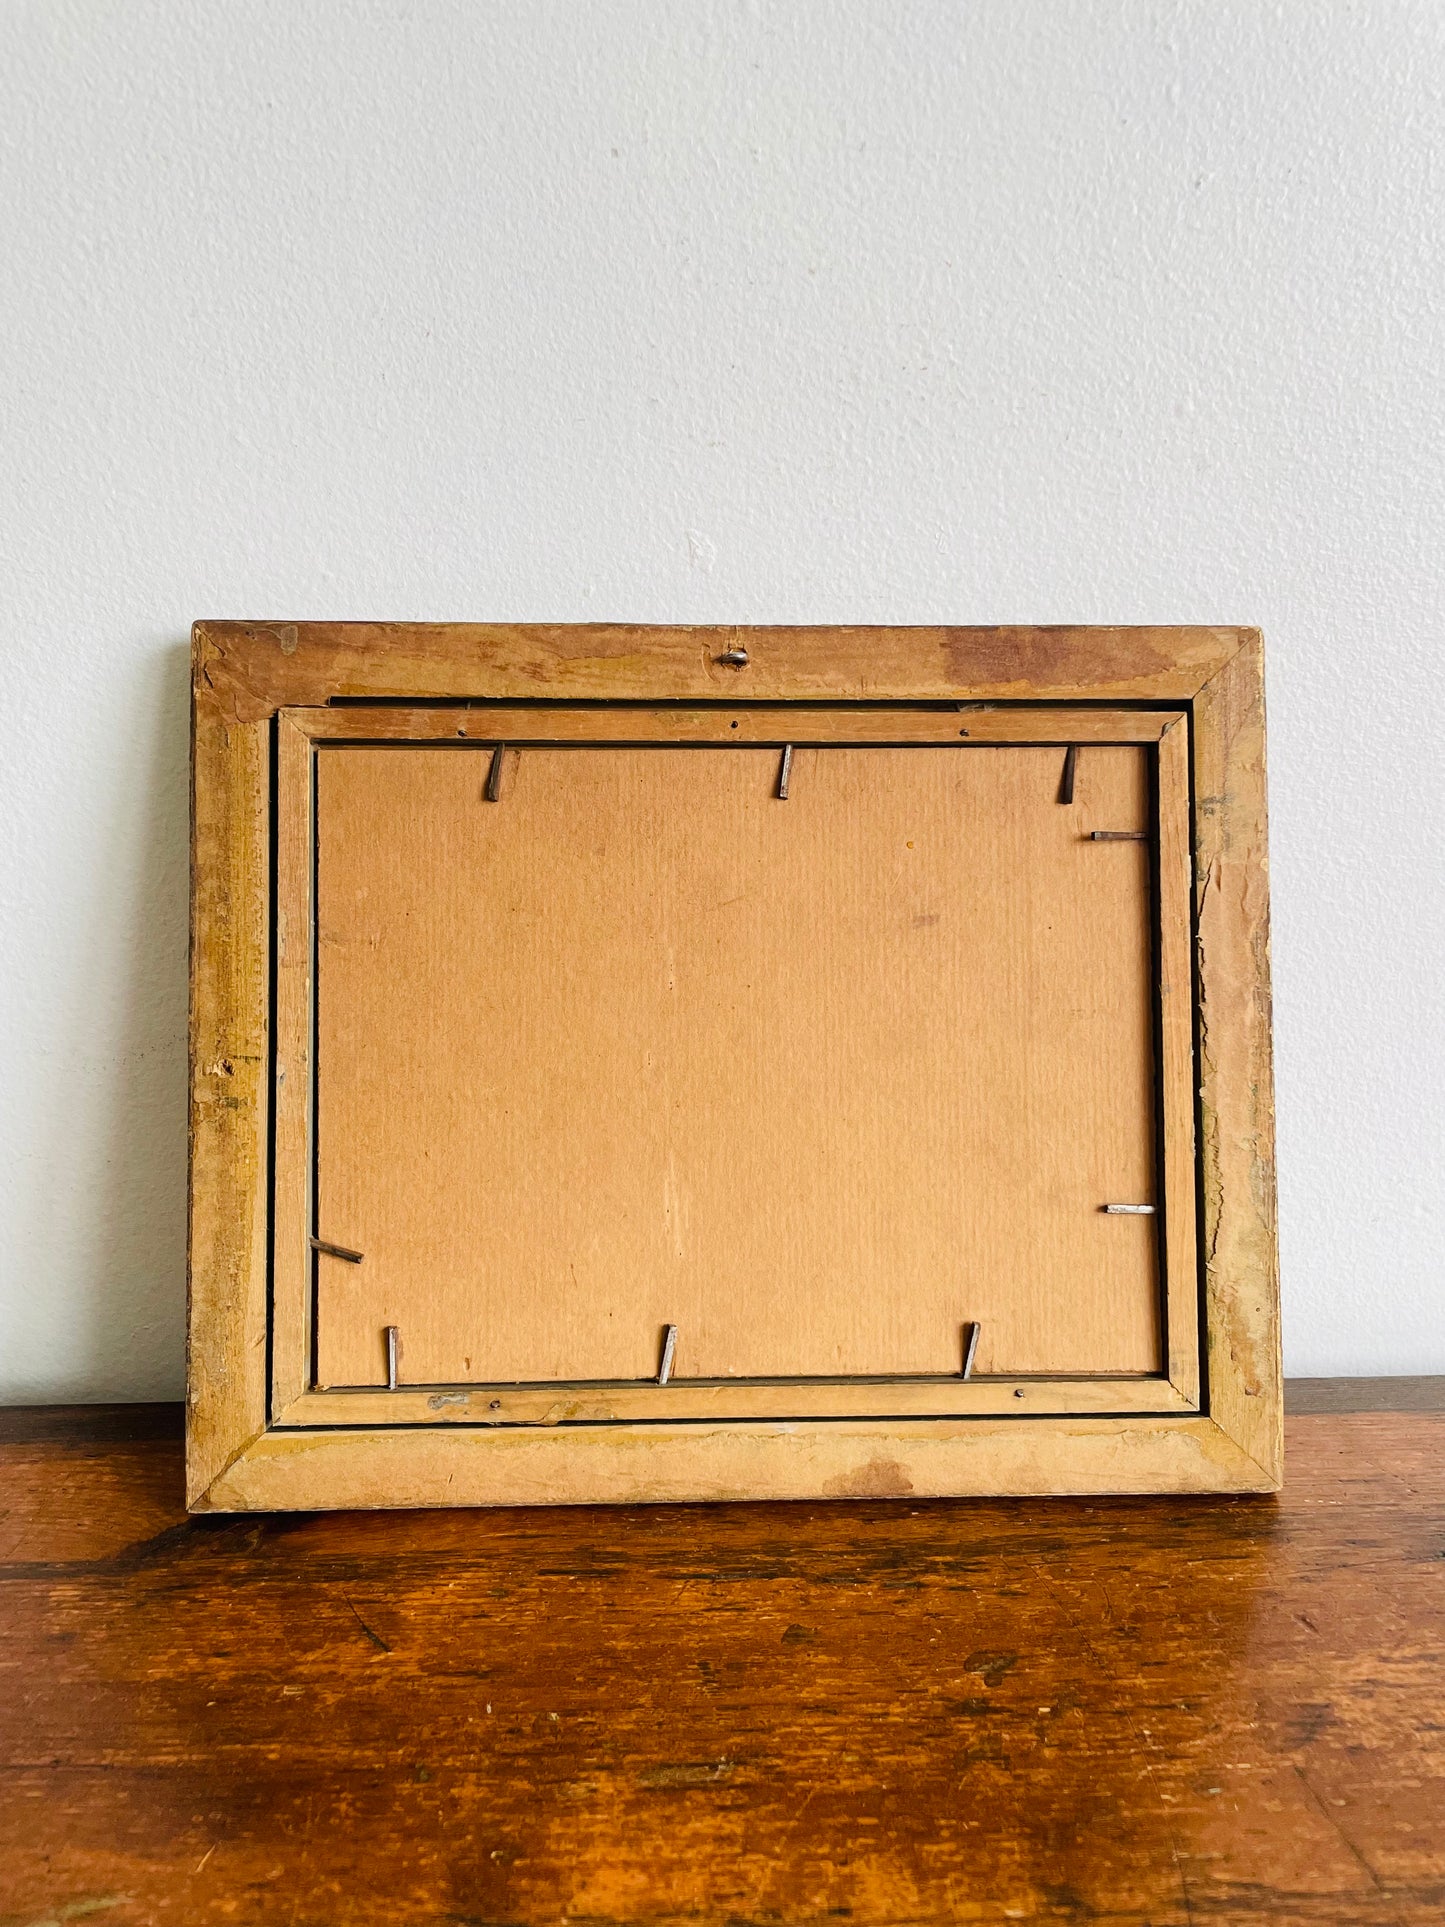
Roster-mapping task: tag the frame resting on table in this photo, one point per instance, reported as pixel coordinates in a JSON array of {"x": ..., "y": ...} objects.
[{"x": 262, "y": 1433}]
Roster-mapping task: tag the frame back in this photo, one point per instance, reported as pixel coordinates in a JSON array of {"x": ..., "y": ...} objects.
[{"x": 863, "y": 1047}]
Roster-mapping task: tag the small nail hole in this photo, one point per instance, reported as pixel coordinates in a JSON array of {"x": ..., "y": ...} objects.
[{"x": 732, "y": 725}]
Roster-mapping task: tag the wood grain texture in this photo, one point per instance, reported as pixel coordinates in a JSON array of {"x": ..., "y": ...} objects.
[
  {"x": 1176, "y": 1069},
  {"x": 816, "y": 1082},
  {"x": 1231, "y": 881},
  {"x": 662, "y": 1464},
  {"x": 91, "y": 1424},
  {"x": 772, "y": 723},
  {"x": 1396, "y": 1394},
  {"x": 591, "y": 1404},
  {"x": 1131, "y": 1712},
  {"x": 228, "y": 1059},
  {"x": 292, "y": 1261},
  {"x": 252, "y": 669},
  {"x": 245, "y": 672}
]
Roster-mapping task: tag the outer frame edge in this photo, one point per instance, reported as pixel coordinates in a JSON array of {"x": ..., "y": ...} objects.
[{"x": 243, "y": 672}]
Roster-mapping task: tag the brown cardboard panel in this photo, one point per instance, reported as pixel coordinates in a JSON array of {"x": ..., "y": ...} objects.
[{"x": 817, "y": 1081}]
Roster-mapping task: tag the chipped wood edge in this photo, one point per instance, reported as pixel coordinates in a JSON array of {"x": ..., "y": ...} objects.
[
  {"x": 1241, "y": 1269},
  {"x": 252, "y": 669},
  {"x": 228, "y": 1106},
  {"x": 671, "y": 1464}
]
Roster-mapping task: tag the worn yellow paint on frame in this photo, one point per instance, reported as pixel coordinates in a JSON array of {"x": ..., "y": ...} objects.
[{"x": 246, "y": 673}]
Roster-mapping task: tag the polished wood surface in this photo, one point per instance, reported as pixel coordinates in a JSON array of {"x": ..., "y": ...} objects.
[
  {"x": 1365, "y": 1394},
  {"x": 1162, "y": 1711}
]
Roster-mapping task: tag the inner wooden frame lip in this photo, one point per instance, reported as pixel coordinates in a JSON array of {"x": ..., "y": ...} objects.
[
  {"x": 593, "y": 1404},
  {"x": 296, "y": 1400}
]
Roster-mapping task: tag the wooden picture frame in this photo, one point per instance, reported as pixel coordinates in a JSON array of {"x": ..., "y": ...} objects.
[{"x": 263, "y": 1432}]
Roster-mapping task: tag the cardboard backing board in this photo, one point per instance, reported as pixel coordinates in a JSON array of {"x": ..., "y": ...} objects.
[{"x": 818, "y": 1080}]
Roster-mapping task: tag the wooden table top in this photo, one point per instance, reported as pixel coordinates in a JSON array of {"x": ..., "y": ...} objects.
[{"x": 1138, "y": 1711}]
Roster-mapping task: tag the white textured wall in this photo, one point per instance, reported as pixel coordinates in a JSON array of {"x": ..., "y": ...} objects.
[{"x": 815, "y": 311}]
